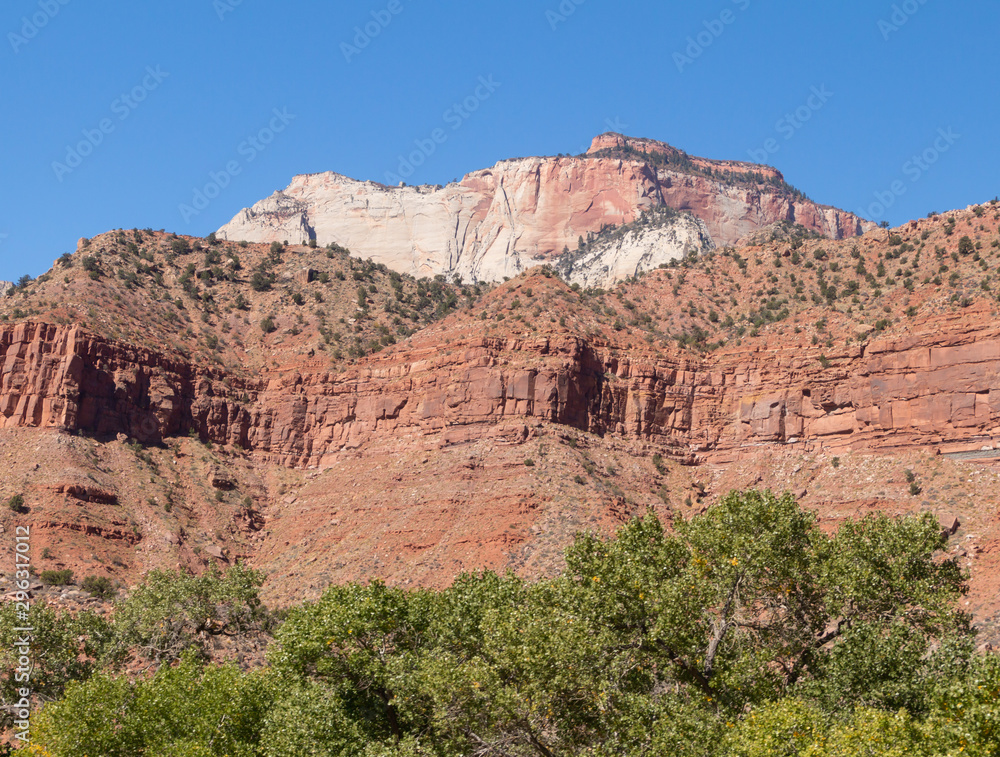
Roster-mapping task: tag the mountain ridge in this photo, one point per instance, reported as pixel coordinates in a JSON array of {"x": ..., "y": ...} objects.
[{"x": 521, "y": 212}]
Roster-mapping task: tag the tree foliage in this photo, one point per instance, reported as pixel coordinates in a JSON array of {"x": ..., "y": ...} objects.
[
  {"x": 745, "y": 631},
  {"x": 173, "y": 611}
]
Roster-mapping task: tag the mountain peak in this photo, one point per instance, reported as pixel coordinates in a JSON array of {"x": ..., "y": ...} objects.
[
  {"x": 500, "y": 221},
  {"x": 613, "y": 144}
]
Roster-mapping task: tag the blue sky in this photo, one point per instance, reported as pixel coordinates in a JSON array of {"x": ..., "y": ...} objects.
[{"x": 116, "y": 116}]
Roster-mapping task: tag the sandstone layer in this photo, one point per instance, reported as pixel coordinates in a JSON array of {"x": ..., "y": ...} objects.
[
  {"x": 607, "y": 261},
  {"x": 500, "y": 221},
  {"x": 939, "y": 387}
]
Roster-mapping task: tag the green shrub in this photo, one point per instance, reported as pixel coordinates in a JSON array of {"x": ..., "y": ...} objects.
[
  {"x": 98, "y": 586},
  {"x": 267, "y": 325},
  {"x": 658, "y": 464},
  {"x": 57, "y": 577},
  {"x": 16, "y": 503},
  {"x": 260, "y": 281}
]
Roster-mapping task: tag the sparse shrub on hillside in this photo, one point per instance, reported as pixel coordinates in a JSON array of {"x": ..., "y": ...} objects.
[
  {"x": 267, "y": 325},
  {"x": 180, "y": 246},
  {"x": 98, "y": 586},
  {"x": 57, "y": 577},
  {"x": 16, "y": 504},
  {"x": 966, "y": 246},
  {"x": 261, "y": 281}
]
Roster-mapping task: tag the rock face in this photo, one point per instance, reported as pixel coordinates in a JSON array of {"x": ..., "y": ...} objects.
[
  {"x": 499, "y": 221},
  {"x": 936, "y": 388},
  {"x": 636, "y": 251}
]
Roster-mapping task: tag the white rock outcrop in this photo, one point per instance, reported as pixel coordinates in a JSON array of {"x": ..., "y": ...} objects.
[
  {"x": 499, "y": 221},
  {"x": 638, "y": 250}
]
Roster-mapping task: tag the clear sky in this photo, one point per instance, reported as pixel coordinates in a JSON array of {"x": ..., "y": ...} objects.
[{"x": 117, "y": 114}]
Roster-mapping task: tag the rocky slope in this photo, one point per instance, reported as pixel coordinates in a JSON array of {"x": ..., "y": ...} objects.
[
  {"x": 500, "y": 221},
  {"x": 473, "y": 428}
]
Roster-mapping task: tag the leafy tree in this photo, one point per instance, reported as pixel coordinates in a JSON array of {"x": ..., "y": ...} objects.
[
  {"x": 745, "y": 631},
  {"x": 357, "y": 641},
  {"x": 64, "y": 648},
  {"x": 172, "y": 611},
  {"x": 182, "y": 711}
]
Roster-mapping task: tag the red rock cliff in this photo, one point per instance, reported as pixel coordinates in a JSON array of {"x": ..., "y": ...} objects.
[{"x": 937, "y": 387}]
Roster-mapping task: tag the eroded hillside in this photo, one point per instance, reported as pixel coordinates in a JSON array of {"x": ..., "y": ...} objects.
[{"x": 327, "y": 419}]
